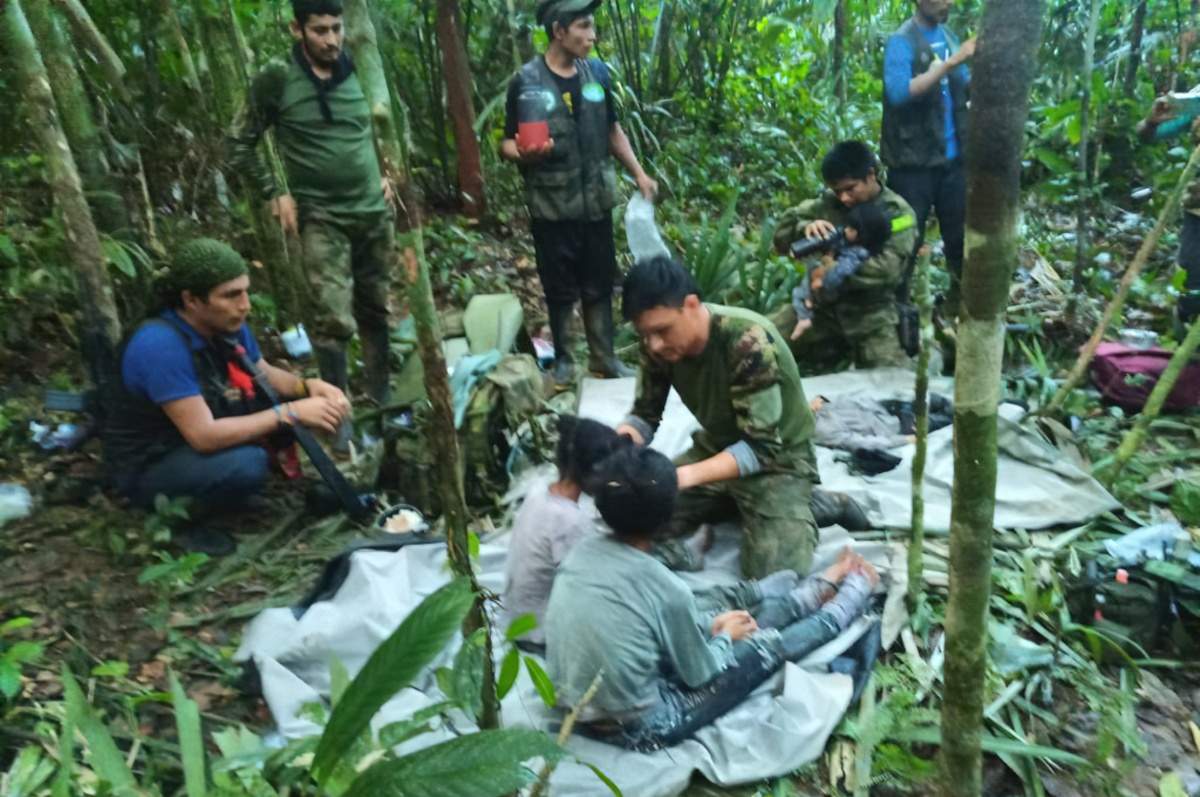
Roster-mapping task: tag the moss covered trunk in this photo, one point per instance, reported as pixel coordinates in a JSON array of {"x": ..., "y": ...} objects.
[
  {"x": 916, "y": 539},
  {"x": 101, "y": 330},
  {"x": 1003, "y": 72},
  {"x": 85, "y": 28}
]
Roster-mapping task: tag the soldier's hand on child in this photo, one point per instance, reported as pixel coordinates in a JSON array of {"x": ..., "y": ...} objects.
[
  {"x": 738, "y": 624},
  {"x": 801, "y": 327},
  {"x": 536, "y": 154},
  {"x": 283, "y": 207},
  {"x": 819, "y": 229}
]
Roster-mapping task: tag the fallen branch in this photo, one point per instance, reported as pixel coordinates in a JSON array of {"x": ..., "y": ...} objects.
[
  {"x": 916, "y": 542},
  {"x": 1075, "y": 376},
  {"x": 564, "y": 733}
]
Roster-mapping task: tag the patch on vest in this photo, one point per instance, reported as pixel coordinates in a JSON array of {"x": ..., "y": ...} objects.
[{"x": 593, "y": 92}]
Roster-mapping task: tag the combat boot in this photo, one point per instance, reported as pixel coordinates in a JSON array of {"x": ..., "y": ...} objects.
[
  {"x": 598, "y": 323},
  {"x": 563, "y": 371},
  {"x": 334, "y": 368},
  {"x": 830, "y": 508}
]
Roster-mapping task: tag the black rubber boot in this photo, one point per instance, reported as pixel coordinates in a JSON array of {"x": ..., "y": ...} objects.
[
  {"x": 335, "y": 369},
  {"x": 564, "y": 364},
  {"x": 598, "y": 323},
  {"x": 830, "y": 508},
  {"x": 377, "y": 361}
]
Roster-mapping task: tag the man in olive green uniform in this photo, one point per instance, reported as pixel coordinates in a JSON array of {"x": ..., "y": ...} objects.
[
  {"x": 753, "y": 456},
  {"x": 861, "y": 324},
  {"x": 570, "y": 183},
  {"x": 339, "y": 202}
]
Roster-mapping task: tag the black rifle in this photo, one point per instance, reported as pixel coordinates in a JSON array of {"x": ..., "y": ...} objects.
[
  {"x": 810, "y": 246},
  {"x": 355, "y": 505}
]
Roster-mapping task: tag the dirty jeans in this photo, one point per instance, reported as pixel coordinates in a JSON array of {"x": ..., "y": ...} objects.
[
  {"x": 224, "y": 479},
  {"x": 681, "y": 711}
]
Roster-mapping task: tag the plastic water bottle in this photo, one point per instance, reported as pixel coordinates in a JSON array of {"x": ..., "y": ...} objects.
[
  {"x": 645, "y": 242},
  {"x": 533, "y": 123}
]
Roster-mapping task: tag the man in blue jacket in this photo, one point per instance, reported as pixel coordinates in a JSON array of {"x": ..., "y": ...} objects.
[{"x": 925, "y": 90}]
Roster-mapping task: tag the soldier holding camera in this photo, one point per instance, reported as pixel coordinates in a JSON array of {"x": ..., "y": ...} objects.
[{"x": 859, "y": 319}]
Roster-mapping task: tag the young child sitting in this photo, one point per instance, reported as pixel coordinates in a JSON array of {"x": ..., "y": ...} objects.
[
  {"x": 867, "y": 229},
  {"x": 666, "y": 668},
  {"x": 550, "y": 521}
]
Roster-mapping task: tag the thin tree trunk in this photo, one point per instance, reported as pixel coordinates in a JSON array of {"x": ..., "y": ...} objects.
[
  {"x": 839, "y": 51},
  {"x": 86, "y": 30},
  {"x": 443, "y": 438},
  {"x": 661, "y": 82},
  {"x": 1076, "y": 374},
  {"x": 75, "y": 114},
  {"x": 514, "y": 38},
  {"x": 1003, "y": 73},
  {"x": 1083, "y": 203},
  {"x": 101, "y": 323},
  {"x": 916, "y": 540},
  {"x": 1136, "y": 33},
  {"x": 457, "y": 73},
  {"x": 179, "y": 40},
  {"x": 1133, "y": 439}
]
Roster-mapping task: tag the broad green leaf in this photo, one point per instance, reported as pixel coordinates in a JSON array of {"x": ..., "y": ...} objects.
[
  {"x": 8, "y": 250},
  {"x": 484, "y": 764},
  {"x": 119, "y": 258},
  {"x": 1171, "y": 785},
  {"x": 510, "y": 668},
  {"x": 111, "y": 669},
  {"x": 392, "y": 666},
  {"x": 468, "y": 673},
  {"x": 66, "y": 759},
  {"x": 106, "y": 759},
  {"x": 520, "y": 626},
  {"x": 191, "y": 741},
  {"x": 1185, "y": 502},
  {"x": 420, "y": 722},
  {"x": 23, "y": 652},
  {"x": 541, "y": 681},
  {"x": 993, "y": 744},
  {"x": 339, "y": 679},
  {"x": 16, "y": 624},
  {"x": 10, "y": 679},
  {"x": 29, "y": 770}
]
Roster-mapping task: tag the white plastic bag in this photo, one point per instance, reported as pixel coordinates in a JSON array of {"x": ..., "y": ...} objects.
[
  {"x": 15, "y": 502},
  {"x": 645, "y": 242}
]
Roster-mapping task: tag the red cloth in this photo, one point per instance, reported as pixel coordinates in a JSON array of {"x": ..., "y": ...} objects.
[
  {"x": 241, "y": 380},
  {"x": 1125, "y": 376}
]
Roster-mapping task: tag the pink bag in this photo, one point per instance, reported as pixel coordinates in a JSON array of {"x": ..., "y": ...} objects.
[{"x": 1117, "y": 367}]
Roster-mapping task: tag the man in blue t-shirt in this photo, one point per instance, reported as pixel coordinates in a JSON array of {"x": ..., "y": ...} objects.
[
  {"x": 187, "y": 420},
  {"x": 925, "y": 88}
]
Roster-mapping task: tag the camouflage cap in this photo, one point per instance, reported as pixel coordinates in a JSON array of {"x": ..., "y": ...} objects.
[
  {"x": 548, "y": 9},
  {"x": 202, "y": 264}
]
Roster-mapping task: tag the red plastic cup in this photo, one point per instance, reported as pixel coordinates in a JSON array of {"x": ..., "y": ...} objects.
[{"x": 533, "y": 135}]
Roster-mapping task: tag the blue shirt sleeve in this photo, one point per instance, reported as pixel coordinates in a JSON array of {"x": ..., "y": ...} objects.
[
  {"x": 158, "y": 365},
  {"x": 897, "y": 69}
]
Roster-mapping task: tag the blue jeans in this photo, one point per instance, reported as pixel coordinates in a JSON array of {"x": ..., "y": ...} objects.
[
  {"x": 682, "y": 711},
  {"x": 214, "y": 481}
]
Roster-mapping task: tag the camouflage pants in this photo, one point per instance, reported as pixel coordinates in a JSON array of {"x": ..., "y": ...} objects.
[
  {"x": 778, "y": 530},
  {"x": 348, "y": 268},
  {"x": 845, "y": 334}
]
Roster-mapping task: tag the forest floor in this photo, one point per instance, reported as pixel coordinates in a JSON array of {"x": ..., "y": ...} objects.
[{"x": 108, "y": 599}]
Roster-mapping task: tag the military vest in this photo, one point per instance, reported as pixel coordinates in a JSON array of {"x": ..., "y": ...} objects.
[
  {"x": 577, "y": 181},
  {"x": 914, "y": 134},
  {"x": 138, "y": 432}
]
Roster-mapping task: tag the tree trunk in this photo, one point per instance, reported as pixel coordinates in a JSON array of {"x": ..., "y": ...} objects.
[
  {"x": 1075, "y": 376},
  {"x": 78, "y": 123},
  {"x": 1136, "y": 32},
  {"x": 86, "y": 30},
  {"x": 660, "y": 81},
  {"x": 839, "y": 51},
  {"x": 443, "y": 439},
  {"x": 1083, "y": 202},
  {"x": 101, "y": 324},
  {"x": 1003, "y": 69},
  {"x": 457, "y": 73},
  {"x": 916, "y": 539},
  {"x": 191, "y": 78}
]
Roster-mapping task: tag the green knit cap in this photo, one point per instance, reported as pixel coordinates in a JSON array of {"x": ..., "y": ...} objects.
[{"x": 202, "y": 264}]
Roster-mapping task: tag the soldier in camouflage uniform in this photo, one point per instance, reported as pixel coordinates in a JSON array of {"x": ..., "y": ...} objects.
[
  {"x": 1160, "y": 125},
  {"x": 753, "y": 456},
  {"x": 861, "y": 324},
  {"x": 339, "y": 203}
]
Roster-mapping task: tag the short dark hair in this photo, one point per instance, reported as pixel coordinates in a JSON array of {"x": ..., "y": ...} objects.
[
  {"x": 566, "y": 19},
  {"x": 848, "y": 160},
  {"x": 657, "y": 282},
  {"x": 303, "y": 9},
  {"x": 635, "y": 491},
  {"x": 583, "y": 444},
  {"x": 873, "y": 226}
]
